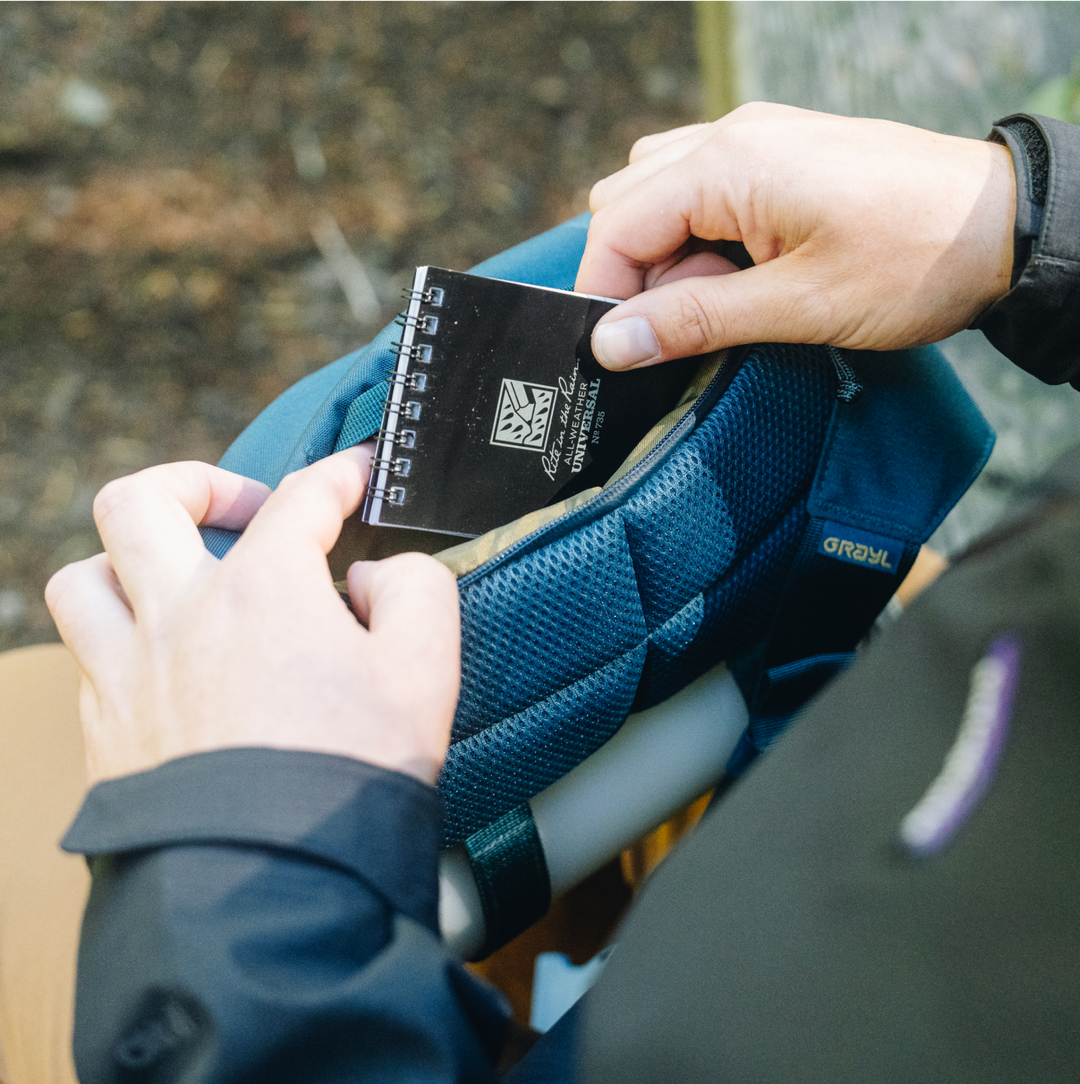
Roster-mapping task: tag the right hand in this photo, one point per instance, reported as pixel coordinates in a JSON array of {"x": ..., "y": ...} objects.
[{"x": 865, "y": 234}]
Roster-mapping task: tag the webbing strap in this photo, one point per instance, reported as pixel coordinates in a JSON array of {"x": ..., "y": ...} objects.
[{"x": 511, "y": 875}]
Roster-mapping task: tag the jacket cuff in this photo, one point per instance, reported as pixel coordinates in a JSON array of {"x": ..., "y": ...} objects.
[
  {"x": 1037, "y": 323},
  {"x": 379, "y": 825}
]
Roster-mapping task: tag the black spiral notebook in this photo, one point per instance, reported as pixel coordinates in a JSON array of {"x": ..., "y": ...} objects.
[{"x": 497, "y": 406}]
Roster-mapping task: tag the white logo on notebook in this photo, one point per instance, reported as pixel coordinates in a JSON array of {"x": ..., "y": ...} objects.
[{"x": 523, "y": 417}]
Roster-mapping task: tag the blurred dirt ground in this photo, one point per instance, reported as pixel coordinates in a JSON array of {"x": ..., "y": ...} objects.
[{"x": 163, "y": 167}]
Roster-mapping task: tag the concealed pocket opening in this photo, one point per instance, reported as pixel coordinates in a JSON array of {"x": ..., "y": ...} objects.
[{"x": 361, "y": 542}]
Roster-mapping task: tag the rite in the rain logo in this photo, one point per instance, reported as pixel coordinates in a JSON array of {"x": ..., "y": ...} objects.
[{"x": 523, "y": 418}]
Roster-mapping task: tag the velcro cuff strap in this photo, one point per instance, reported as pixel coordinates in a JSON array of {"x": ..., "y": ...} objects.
[{"x": 1031, "y": 166}]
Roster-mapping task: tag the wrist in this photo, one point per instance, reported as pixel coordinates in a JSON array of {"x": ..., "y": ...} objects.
[{"x": 994, "y": 267}]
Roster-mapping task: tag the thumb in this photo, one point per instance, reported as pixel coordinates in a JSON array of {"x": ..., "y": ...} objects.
[
  {"x": 770, "y": 302},
  {"x": 411, "y": 602}
]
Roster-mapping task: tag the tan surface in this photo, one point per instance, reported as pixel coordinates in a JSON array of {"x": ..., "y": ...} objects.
[
  {"x": 927, "y": 567},
  {"x": 42, "y": 890}
]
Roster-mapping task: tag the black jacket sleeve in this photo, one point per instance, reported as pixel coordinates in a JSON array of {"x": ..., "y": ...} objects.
[
  {"x": 1037, "y": 323},
  {"x": 261, "y": 915}
]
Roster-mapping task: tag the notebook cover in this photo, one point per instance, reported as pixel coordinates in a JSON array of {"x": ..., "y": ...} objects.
[{"x": 497, "y": 406}]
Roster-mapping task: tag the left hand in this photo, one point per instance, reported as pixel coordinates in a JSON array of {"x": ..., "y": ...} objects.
[{"x": 181, "y": 653}]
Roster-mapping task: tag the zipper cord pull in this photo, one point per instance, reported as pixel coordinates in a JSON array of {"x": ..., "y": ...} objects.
[{"x": 849, "y": 389}]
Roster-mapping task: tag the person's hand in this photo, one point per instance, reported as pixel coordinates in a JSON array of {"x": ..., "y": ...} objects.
[
  {"x": 864, "y": 234},
  {"x": 182, "y": 653}
]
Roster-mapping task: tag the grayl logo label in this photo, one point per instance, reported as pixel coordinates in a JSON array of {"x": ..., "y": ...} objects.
[
  {"x": 860, "y": 547},
  {"x": 523, "y": 418}
]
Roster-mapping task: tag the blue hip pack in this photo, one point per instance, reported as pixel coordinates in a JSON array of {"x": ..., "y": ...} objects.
[{"x": 767, "y": 526}]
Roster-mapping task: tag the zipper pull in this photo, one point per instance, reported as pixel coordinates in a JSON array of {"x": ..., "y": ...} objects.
[{"x": 849, "y": 389}]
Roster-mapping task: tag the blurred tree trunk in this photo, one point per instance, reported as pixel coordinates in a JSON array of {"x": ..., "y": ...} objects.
[{"x": 714, "y": 31}]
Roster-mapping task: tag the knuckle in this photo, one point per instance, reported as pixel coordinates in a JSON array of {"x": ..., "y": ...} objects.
[
  {"x": 598, "y": 195},
  {"x": 314, "y": 481},
  {"x": 331, "y": 477},
  {"x": 64, "y": 585},
  {"x": 424, "y": 576},
  {"x": 699, "y": 323},
  {"x": 420, "y": 568},
  {"x": 56, "y": 590},
  {"x": 290, "y": 483},
  {"x": 641, "y": 147},
  {"x": 114, "y": 497}
]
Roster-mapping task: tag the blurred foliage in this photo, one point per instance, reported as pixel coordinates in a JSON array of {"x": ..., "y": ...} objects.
[{"x": 1059, "y": 98}]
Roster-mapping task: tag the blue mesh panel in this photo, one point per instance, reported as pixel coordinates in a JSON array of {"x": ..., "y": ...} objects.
[
  {"x": 740, "y": 607},
  {"x": 697, "y": 557},
  {"x": 500, "y": 767},
  {"x": 678, "y": 632},
  {"x": 680, "y": 534},
  {"x": 764, "y": 438},
  {"x": 736, "y": 611},
  {"x": 539, "y": 623}
]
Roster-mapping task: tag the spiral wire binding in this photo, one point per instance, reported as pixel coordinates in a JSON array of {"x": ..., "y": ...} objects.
[
  {"x": 412, "y": 351},
  {"x": 399, "y": 466},
  {"x": 391, "y": 494},
  {"x": 433, "y": 295},
  {"x": 406, "y": 437},
  {"x": 428, "y": 325},
  {"x": 389, "y": 436},
  {"x": 412, "y": 381}
]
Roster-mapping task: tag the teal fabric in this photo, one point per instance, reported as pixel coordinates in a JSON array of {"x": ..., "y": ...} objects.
[
  {"x": 861, "y": 482},
  {"x": 363, "y": 418},
  {"x": 265, "y": 449}
]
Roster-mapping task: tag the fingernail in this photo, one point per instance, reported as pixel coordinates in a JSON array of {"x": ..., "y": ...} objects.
[{"x": 625, "y": 343}]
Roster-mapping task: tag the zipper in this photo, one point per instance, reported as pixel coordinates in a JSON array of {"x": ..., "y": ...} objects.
[
  {"x": 613, "y": 495},
  {"x": 849, "y": 389}
]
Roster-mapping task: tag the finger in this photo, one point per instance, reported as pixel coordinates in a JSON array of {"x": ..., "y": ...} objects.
[
  {"x": 411, "y": 603},
  {"x": 302, "y": 518},
  {"x": 773, "y": 302},
  {"x": 647, "y": 165},
  {"x": 410, "y": 600},
  {"x": 695, "y": 187},
  {"x": 695, "y": 265},
  {"x": 148, "y": 520},
  {"x": 650, "y": 144},
  {"x": 651, "y": 222},
  {"x": 90, "y": 610},
  {"x": 653, "y": 153}
]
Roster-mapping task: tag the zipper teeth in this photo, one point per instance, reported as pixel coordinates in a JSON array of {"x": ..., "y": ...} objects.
[
  {"x": 848, "y": 389},
  {"x": 629, "y": 479}
]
